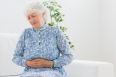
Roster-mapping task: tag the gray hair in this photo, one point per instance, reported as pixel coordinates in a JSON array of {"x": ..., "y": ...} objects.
[{"x": 36, "y": 6}]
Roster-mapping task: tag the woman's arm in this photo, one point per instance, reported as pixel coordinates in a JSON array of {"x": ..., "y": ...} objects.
[
  {"x": 64, "y": 49},
  {"x": 18, "y": 55}
]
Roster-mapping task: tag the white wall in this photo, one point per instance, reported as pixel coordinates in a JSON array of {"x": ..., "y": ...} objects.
[
  {"x": 82, "y": 20},
  {"x": 90, "y": 23},
  {"x": 108, "y": 31},
  {"x": 11, "y": 17}
]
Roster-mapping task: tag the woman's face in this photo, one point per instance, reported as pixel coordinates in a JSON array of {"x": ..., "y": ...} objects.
[{"x": 36, "y": 20}]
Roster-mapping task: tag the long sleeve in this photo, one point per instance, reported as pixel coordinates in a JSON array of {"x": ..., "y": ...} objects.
[
  {"x": 18, "y": 55},
  {"x": 64, "y": 48}
]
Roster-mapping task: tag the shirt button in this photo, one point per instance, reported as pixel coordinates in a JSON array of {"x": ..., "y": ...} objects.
[{"x": 39, "y": 42}]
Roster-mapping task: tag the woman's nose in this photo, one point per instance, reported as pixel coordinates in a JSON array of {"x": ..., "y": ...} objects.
[{"x": 31, "y": 20}]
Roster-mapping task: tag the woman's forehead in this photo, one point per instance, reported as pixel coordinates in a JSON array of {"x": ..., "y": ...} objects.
[{"x": 33, "y": 13}]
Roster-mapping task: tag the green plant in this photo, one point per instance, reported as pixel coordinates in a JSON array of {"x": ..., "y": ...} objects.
[{"x": 56, "y": 16}]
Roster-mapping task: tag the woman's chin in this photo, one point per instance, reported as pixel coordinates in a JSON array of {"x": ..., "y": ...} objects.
[{"x": 34, "y": 26}]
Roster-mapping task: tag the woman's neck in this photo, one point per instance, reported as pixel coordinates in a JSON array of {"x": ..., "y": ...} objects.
[{"x": 39, "y": 27}]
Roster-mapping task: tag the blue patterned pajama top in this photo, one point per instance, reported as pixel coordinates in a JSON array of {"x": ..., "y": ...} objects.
[{"x": 47, "y": 43}]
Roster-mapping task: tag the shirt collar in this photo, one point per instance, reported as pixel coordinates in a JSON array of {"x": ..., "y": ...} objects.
[{"x": 42, "y": 28}]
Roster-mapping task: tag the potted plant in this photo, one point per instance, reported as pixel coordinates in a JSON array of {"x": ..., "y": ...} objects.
[{"x": 56, "y": 16}]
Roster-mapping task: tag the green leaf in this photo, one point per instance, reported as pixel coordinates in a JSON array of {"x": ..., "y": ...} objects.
[
  {"x": 56, "y": 3},
  {"x": 50, "y": 8},
  {"x": 56, "y": 16},
  {"x": 51, "y": 24},
  {"x": 69, "y": 42},
  {"x": 59, "y": 6}
]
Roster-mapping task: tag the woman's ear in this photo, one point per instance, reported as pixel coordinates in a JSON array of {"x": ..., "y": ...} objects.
[{"x": 43, "y": 14}]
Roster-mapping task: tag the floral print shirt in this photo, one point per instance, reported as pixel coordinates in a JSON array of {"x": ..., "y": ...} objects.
[{"x": 48, "y": 43}]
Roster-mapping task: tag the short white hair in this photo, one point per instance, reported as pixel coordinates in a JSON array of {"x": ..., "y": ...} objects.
[{"x": 36, "y": 6}]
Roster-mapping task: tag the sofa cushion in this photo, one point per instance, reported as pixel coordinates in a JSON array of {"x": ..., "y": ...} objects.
[
  {"x": 7, "y": 45},
  {"x": 78, "y": 68},
  {"x": 84, "y": 68}
]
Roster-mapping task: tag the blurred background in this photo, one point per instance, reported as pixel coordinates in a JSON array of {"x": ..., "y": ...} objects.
[{"x": 91, "y": 26}]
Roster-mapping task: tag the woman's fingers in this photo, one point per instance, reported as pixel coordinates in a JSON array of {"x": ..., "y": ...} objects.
[
  {"x": 39, "y": 63},
  {"x": 35, "y": 64}
]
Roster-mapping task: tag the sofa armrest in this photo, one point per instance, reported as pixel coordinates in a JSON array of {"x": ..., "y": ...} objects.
[{"x": 82, "y": 68}]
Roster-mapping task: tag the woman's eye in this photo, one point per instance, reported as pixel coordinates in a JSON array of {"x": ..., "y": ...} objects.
[
  {"x": 28, "y": 18},
  {"x": 33, "y": 16}
]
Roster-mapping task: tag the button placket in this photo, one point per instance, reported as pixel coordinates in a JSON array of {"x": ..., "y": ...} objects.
[{"x": 39, "y": 41}]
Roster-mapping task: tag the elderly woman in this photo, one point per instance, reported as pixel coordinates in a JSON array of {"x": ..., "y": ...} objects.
[{"x": 38, "y": 48}]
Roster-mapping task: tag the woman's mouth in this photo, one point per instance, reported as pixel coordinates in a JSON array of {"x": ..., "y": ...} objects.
[{"x": 34, "y": 23}]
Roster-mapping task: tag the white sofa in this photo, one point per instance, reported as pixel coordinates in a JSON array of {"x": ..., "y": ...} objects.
[{"x": 78, "y": 68}]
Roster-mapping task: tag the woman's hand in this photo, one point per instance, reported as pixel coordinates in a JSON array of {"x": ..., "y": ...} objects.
[{"x": 40, "y": 63}]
